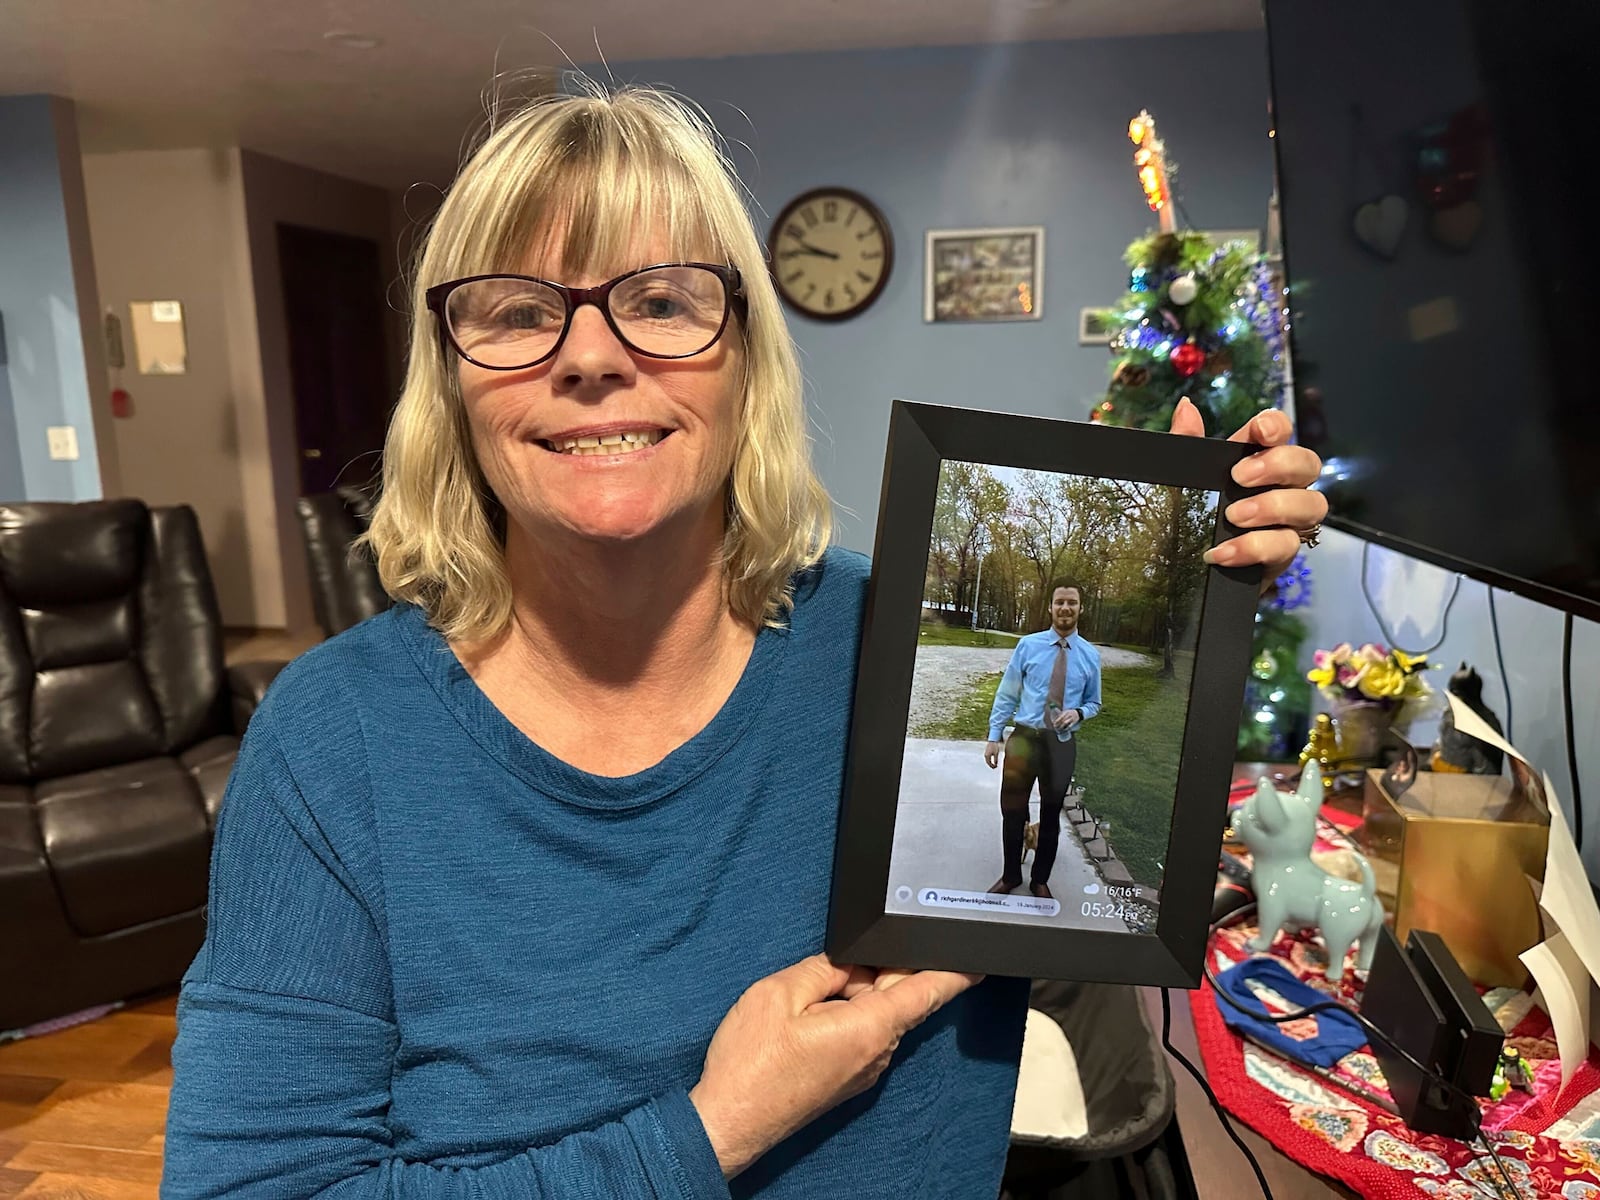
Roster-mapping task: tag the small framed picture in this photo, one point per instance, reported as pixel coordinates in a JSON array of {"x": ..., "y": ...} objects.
[
  {"x": 1047, "y": 703},
  {"x": 1093, "y": 328},
  {"x": 984, "y": 274}
]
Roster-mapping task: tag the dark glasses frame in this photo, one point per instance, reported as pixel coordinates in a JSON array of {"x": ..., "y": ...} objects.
[{"x": 733, "y": 296}]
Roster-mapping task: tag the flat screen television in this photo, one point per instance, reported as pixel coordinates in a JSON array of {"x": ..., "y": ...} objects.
[{"x": 1440, "y": 249}]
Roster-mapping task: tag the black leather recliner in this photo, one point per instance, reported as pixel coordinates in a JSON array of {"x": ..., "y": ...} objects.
[
  {"x": 344, "y": 580},
  {"x": 118, "y": 728}
]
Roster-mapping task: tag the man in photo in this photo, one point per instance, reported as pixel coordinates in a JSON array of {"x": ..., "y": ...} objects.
[{"x": 1051, "y": 686}]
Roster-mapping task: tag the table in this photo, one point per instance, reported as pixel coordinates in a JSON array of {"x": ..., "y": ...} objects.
[{"x": 1548, "y": 1141}]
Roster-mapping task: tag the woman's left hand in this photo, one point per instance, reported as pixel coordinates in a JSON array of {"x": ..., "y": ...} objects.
[{"x": 1275, "y": 517}]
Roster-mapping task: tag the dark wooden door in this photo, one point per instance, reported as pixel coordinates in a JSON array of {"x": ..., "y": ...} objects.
[{"x": 334, "y": 300}]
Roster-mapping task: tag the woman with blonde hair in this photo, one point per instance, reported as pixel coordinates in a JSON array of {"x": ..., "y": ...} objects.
[{"x": 518, "y": 888}]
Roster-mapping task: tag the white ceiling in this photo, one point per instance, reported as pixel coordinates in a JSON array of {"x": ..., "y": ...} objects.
[{"x": 151, "y": 74}]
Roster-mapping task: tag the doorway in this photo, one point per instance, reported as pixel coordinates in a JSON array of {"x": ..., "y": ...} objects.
[{"x": 334, "y": 300}]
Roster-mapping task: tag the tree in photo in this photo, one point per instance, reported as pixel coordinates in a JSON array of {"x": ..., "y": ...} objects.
[
  {"x": 1180, "y": 522},
  {"x": 969, "y": 503},
  {"x": 1004, "y": 600},
  {"x": 1049, "y": 523},
  {"x": 1166, "y": 530},
  {"x": 1132, "y": 549}
]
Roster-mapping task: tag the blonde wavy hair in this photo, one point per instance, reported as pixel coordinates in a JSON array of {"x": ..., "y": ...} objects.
[{"x": 586, "y": 172}]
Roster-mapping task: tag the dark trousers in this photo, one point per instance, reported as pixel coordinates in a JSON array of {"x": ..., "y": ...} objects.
[{"x": 1032, "y": 754}]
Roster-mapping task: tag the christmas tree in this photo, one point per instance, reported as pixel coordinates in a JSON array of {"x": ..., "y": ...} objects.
[
  {"x": 1209, "y": 322},
  {"x": 1277, "y": 703},
  {"x": 1198, "y": 320}
]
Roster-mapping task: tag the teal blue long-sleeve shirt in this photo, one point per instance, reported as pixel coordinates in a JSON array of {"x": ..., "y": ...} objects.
[
  {"x": 1021, "y": 694},
  {"x": 442, "y": 964}
]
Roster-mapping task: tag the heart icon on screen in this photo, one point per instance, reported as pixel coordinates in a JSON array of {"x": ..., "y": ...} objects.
[
  {"x": 1379, "y": 224},
  {"x": 1089, "y": 889}
]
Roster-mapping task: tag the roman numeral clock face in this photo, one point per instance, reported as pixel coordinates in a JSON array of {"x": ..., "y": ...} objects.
[{"x": 831, "y": 253}]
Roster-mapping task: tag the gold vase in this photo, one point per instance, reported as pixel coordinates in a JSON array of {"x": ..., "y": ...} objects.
[{"x": 1362, "y": 727}]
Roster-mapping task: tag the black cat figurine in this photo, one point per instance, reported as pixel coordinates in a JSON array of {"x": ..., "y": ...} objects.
[{"x": 1461, "y": 752}]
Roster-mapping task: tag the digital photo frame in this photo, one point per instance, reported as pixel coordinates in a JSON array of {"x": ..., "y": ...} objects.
[{"x": 1047, "y": 702}]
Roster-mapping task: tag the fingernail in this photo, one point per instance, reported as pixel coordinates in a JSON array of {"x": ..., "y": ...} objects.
[
  {"x": 1220, "y": 556},
  {"x": 1243, "y": 512},
  {"x": 1248, "y": 471}
]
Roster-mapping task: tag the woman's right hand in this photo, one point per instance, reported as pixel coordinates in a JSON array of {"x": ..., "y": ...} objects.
[{"x": 798, "y": 1042}]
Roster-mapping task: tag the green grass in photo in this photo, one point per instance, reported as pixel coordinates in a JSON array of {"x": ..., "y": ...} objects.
[
  {"x": 1127, "y": 756},
  {"x": 969, "y": 720},
  {"x": 932, "y": 633}
]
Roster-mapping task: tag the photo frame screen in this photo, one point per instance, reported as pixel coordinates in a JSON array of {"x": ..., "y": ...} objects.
[
  {"x": 1047, "y": 701},
  {"x": 1055, "y": 651}
]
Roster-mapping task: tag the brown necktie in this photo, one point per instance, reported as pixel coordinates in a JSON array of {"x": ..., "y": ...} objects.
[{"x": 1056, "y": 693}]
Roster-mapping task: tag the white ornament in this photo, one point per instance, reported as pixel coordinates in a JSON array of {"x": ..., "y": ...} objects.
[{"x": 1183, "y": 289}]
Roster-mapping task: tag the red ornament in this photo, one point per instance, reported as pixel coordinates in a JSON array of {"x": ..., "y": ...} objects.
[{"x": 1187, "y": 359}]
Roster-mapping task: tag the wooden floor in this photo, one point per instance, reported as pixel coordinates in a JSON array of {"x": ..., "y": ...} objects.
[
  {"x": 81, "y": 1115},
  {"x": 82, "y": 1111}
]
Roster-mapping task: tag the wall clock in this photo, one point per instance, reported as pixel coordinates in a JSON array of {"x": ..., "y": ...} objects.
[{"x": 831, "y": 253}]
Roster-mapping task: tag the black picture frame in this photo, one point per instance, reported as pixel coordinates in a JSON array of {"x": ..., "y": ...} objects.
[{"x": 860, "y": 931}]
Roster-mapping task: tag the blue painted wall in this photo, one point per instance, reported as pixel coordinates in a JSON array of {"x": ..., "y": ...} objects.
[
  {"x": 46, "y": 379},
  {"x": 1024, "y": 134}
]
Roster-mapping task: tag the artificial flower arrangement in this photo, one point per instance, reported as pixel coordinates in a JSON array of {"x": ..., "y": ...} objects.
[{"x": 1370, "y": 675}]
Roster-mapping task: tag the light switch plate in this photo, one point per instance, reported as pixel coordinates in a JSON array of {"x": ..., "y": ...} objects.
[{"x": 63, "y": 441}]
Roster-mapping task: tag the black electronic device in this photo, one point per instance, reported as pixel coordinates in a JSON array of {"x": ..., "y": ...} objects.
[
  {"x": 1415, "y": 995},
  {"x": 1477, "y": 1038},
  {"x": 1441, "y": 269}
]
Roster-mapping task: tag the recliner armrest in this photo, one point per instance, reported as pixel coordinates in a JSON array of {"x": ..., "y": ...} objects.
[{"x": 247, "y": 684}]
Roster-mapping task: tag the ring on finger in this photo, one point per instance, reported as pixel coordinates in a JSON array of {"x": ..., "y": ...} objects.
[{"x": 1308, "y": 537}]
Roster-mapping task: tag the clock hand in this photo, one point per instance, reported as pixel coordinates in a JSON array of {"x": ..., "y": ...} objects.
[{"x": 808, "y": 248}]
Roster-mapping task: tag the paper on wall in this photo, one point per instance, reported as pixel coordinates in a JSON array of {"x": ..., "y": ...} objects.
[{"x": 1566, "y": 966}]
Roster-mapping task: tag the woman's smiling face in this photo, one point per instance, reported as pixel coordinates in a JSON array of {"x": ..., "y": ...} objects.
[{"x": 599, "y": 441}]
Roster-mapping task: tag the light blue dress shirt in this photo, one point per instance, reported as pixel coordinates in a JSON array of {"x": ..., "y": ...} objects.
[{"x": 1021, "y": 694}]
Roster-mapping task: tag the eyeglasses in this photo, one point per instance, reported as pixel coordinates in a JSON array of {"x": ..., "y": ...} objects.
[{"x": 509, "y": 322}]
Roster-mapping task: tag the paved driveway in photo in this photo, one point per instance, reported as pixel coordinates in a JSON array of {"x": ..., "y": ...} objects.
[{"x": 947, "y": 835}]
